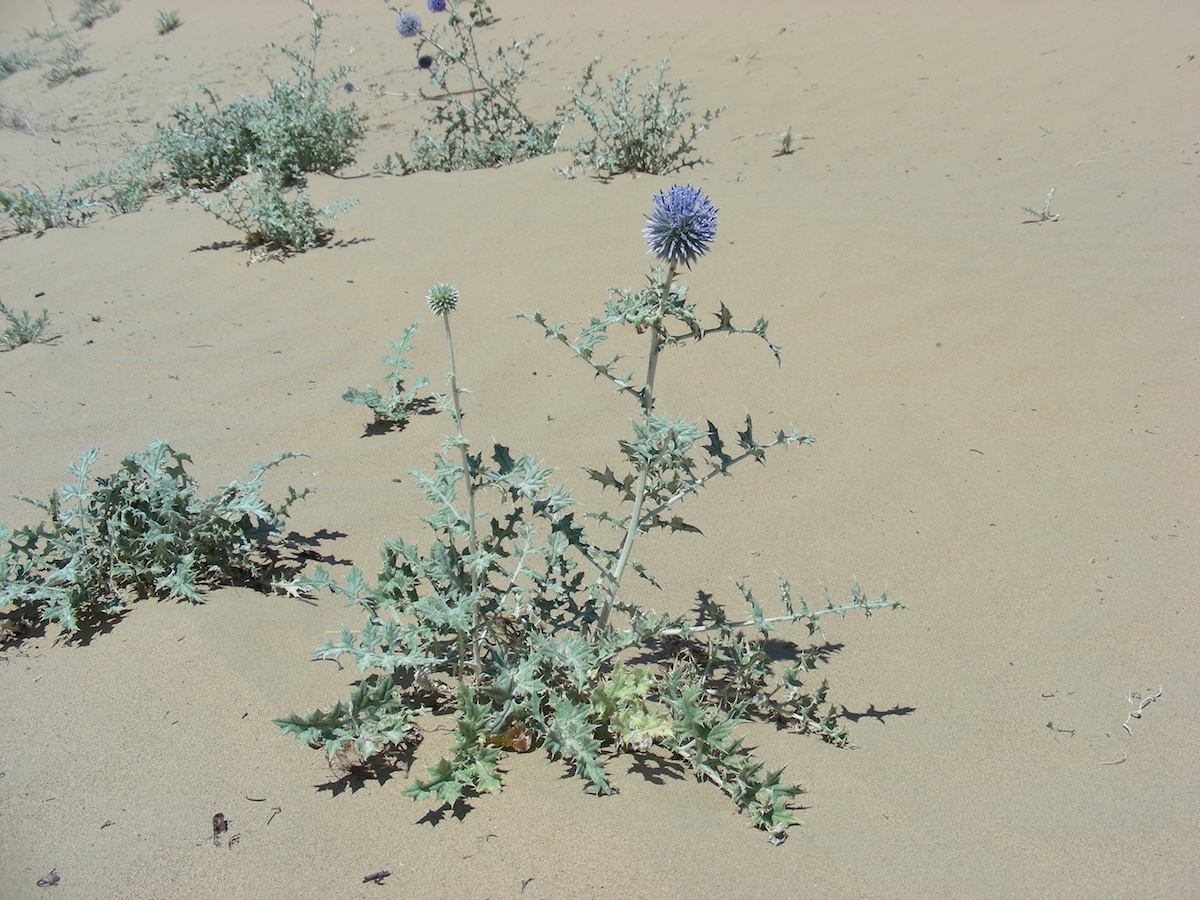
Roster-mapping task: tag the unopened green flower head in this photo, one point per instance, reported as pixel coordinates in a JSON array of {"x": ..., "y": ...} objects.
[{"x": 442, "y": 298}]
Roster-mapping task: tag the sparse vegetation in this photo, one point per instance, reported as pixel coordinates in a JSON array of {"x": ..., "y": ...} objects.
[
  {"x": 21, "y": 329},
  {"x": 166, "y": 22},
  {"x": 1043, "y": 214}
]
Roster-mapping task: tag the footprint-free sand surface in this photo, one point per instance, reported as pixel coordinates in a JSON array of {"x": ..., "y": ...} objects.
[{"x": 1005, "y": 415}]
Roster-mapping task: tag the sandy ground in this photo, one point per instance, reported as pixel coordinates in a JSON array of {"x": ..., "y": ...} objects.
[{"x": 1005, "y": 413}]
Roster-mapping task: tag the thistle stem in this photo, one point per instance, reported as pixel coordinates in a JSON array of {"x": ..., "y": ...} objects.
[
  {"x": 633, "y": 529},
  {"x": 472, "y": 541}
]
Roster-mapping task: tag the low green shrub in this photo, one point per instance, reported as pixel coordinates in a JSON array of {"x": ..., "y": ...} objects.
[
  {"x": 270, "y": 214},
  {"x": 33, "y": 210},
  {"x": 654, "y": 133},
  {"x": 143, "y": 531},
  {"x": 293, "y": 131}
]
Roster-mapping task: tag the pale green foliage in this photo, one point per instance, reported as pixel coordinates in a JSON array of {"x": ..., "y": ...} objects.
[
  {"x": 787, "y": 141},
  {"x": 510, "y": 619},
  {"x": 33, "y": 210},
  {"x": 89, "y": 12},
  {"x": 166, "y": 22},
  {"x": 257, "y": 153},
  {"x": 66, "y": 61},
  {"x": 126, "y": 186},
  {"x": 56, "y": 50},
  {"x": 121, "y": 189},
  {"x": 480, "y": 12},
  {"x": 21, "y": 329},
  {"x": 245, "y": 162},
  {"x": 293, "y": 131},
  {"x": 653, "y": 132},
  {"x": 17, "y": 59},
  {"x": 1043, "y": 214},
  {"x": 476, "y": 119},
  {"x": 270, "y": 214},
  {"x": 143, "y": 531},
  {"x": 398, "y": 404}
]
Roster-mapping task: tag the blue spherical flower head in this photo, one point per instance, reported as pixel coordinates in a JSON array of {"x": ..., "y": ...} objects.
[
  {"x": 409, "y": 24},
  {"x": 682, "y": 225},
  {"x": 436, "y": 6}
]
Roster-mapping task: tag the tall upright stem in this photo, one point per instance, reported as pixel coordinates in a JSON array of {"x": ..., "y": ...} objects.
[
  {"x": 472, "y": 541},
  {"x": 633, "y": 528}
]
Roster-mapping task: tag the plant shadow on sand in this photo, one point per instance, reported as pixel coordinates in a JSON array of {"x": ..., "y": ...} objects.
[{"x": 423, "y": 406}]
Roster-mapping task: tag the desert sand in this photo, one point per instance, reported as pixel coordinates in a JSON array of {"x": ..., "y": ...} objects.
[{"x": 1006, "y": 434}]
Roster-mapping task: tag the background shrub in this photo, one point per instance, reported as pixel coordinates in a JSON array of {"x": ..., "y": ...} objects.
[{"x": 654, "y": 133}]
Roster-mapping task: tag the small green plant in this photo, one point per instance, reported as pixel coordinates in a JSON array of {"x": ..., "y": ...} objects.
[
  {"x": 34, "y": 210},
  {"x": 523, "y": 627},
  {"x": 398, "y": 405},
  {"x": 293, "y": 130},
  {"x": 786, "y": 141},
  {"x": 166, "y": 22},
  {"x": 17, "y": 59},
  {"x": 66, "y": 61},
  {"x": 654, "y": 133},
  {"x": 119, "y": 190},
  {"x": 270, "y": 214},
  {"x": 22, "y": 329},
  {"x": 479, "y": 13},
  {"x": 126, "y": 186},
  {"x": 89, "y": 12},
  {"x": 142, "y": 531},
  {"x": 1043, "y": 214},
  {"x": 476, "y": 120}
]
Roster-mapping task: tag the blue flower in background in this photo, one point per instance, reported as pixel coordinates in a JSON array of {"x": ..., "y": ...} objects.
[
  {"x": 436, "y": 6},
  {"x": 682, "y": 225},
  {"x": 409, "y": 24}
]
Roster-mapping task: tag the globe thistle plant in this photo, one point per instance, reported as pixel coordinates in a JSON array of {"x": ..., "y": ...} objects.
[
  {"x": 681, "y": 226},
  {"x": 408, "y": 24},
  {"x": 437, "y": 6},
  {"x": 516, "y": 618}
]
